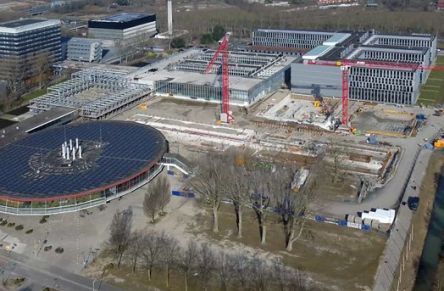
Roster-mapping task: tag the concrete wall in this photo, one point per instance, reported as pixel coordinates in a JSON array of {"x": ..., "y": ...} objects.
[{"x": 307, "y": 79}]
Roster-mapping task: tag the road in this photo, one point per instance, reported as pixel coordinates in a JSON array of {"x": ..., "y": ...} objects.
[{"x": 44, "y": 274}]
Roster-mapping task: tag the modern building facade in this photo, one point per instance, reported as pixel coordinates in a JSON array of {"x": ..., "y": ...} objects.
[
  {"x": 84, "y": 50},
  {"x": 405, "y": 58},
  {"x": 123, "y": 26},
  {"x": 26, "y": 45},
  {"x": 293, "y": 42}
]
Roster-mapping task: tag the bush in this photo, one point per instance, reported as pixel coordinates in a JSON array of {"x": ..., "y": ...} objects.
[
  {"x": 19, "y": 227},
  {"x": 178, "y": 42},
  {"x": 59, "y": 250},
  {"x": 4, "y": 222},
  {"x": 11, "y": 224},
  {"x": 47, "y": 248},
  {"x": 29, "y": 231},
  {"x": 44, "y": 219}
]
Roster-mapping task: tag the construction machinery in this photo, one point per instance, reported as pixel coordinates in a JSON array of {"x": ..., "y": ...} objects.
[
  {"x": 439, "y": 143},
  {"x": 226, "y": 115},
  {"x": 345, "y": 66}
]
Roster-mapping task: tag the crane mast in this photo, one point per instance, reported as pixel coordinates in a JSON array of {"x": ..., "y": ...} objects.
[
  {"x": 347, "y": 64},
  {"x": 226, "y": 115}
]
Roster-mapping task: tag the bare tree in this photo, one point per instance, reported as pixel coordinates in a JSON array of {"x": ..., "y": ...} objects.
[
  {"x": 152, "y": 251},
  {"x": 261, "y": 197},
  {"x": 189, "y": 261},
  {"x": 120, "y": 230},
  {"x": 206, "y": 265},
  {"x": 156, "y": 198},
  {"x": 260, "y": 274},
  {"x": 210, "y": 184},
  {"x": 135, "y": 249},
  {"x": 170, "y": 250},
  {"x": 290, "y": 205},
  {"x": 165, "y": 193},
  {"x": 42, "y": 68},
  {"x": 238, "y": 185},
  {"x": 225, "y": 269},
  {"x": 241, "y": 267},
  {"x": 151, "y": 203}
]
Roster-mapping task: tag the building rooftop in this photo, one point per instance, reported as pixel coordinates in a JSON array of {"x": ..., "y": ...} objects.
[
  {"x": 22, "y": 25},
  {"x": 295, "y": 31},
  {"x": 161, "y": 71},
  {"x": 80, "y": 40},
  {"x": 20, "y": 22},
  {"x": 317, "y": 52},
  {"x": 123, "y": 17},
  {"x": 337, "y": 38}
]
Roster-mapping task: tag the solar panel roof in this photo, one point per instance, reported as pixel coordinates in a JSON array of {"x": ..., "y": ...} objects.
[{"x": 129, "y": 148}]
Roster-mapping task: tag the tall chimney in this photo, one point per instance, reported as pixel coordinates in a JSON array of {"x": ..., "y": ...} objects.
[{"x": 170, "y": 17}]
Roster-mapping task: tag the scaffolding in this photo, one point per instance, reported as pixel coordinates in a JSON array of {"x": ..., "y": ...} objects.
[{"x": 96, "y": 93}]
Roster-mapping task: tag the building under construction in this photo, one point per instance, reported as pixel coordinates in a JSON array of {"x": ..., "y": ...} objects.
[
  {"x": 318, "y": 70},
  {"x": 95, "y": 93},
  {"x": 252, "y": 76}
]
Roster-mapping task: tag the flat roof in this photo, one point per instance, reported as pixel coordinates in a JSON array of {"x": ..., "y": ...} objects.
[
  {"x": 81, "y": 40},
  {"x": 21, "y": 25},
  {"x": 19, "y": 130},
  {"x": 20, "y": 22},
  {"x": 317, "y": 52},
  {"x": 124, "y": 17},
  {"x": 295, "y": 31},
  {"x": 337, "y": 38}
]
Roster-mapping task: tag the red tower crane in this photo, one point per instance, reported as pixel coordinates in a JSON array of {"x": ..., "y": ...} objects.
[
  {"x": 226, "y": 115},
  {"x": 345, "y": 67}
]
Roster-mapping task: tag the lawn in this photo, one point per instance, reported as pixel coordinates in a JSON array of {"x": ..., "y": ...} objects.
[{"x": 433, "y": 91}]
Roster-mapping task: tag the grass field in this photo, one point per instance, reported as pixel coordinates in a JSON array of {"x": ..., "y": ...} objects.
[{"x": 433, "y": 91}]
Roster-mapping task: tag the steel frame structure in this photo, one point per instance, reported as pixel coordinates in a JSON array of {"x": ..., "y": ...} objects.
[{"x": 120, "y": 93}]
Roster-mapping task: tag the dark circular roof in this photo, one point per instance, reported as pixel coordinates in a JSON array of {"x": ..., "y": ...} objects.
[{"x": 32, "y": 168}]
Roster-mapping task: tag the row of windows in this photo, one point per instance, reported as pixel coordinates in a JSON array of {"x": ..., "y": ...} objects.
[
  {"x": 199, "y": 91},
  {"x": 391, "y": 56},
  {"x": 287, "y": 42},
  {"x": 380, "y": 72},
  {"x": 380, "y": 86},
  {"x": 396, "y": 97},
  {"x": 403, "y": 42},
  {"x": 382, "y": 80},
  {"x": 290, "y": 35}
]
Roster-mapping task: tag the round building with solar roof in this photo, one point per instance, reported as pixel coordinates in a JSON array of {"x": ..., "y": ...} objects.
[{"x": 77, "y": 166}]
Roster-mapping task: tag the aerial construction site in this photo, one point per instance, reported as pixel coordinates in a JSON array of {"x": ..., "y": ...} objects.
[{"x": 339, "y": 109}]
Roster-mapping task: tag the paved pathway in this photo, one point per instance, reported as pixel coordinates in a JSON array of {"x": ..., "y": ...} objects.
[
  {"x": 390, "y": 260},
  {"x": 44, "y": 274}
]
